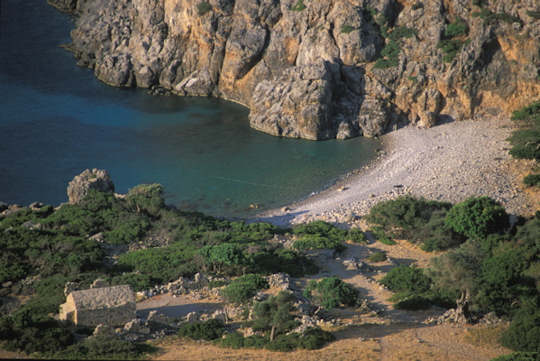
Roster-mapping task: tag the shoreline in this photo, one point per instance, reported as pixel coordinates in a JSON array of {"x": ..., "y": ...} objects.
[{"x": 448, "y": 162}]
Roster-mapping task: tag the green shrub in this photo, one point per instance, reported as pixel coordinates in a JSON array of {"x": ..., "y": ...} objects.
[
  {"x": 231, "y": 340},
  {"x": 146, "y": 198},
  {"x": 356, "y": 235},
  {"x": 331, "y": 292},
  {"x": 346, "y": 28},
  {"x": 390, "y": 55},
  {"x": 524, "y": 331},
  {"x": 219, "y": 256},
  {"x": 436, "y": 235},
  {"x": 284, "y": 343},
  {"x": 493, "y": 18},
  {"x": 450, "y": 48},
  {"x": 314, "y": 241},
  {"x": 417, "y": 5},
  {"x": 244, "y": 288},
  {"x": 404, "y": 215},
  {"x": 525, "y": 144},
  {"x": 315, "y": 338},
  {"x": 163, "y": 264},
  {"x": 203, "y": 7},
  {"x": 406, "y": 279},
  {"x": 275, "y": 316},
  {"x": 477, "y": 217},
  {"x": 208, "y": 330},
  {"x": 299, "y": 6},
  {"x": 104, "y": 348},
  {"x": 401, "y": 32},
  {"x": 519, "y": 356},
  {"x": 22, "y": 332},
  {"x": 534, "y": 14},
  {"x": 413, "y": 303},
  {"x": 456, "y": 28},
  {"x": 529, "y": 113},
  {"x": 255, "y": 341},
  {"x": 282, "y": 260},
  {"x": 377, "y": 257}
]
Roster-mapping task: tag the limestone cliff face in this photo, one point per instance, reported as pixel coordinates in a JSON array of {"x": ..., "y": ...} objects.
[{"x": 319, "y": 69}]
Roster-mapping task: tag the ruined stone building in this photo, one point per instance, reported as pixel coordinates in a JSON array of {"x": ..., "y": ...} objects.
[{"x": 112, "y": 306}]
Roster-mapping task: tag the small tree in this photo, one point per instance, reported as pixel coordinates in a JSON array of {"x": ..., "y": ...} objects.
[
  {"x": 221, "y": 255},
  {"x": 458, "y": 270},
  {"x": 147, "y": 198},
  {"x": 331, "y": 292},
  {"x": 243, "y": 288},
  {"x": 477, "y": 217},
  {"x": 275, "y": 314}
]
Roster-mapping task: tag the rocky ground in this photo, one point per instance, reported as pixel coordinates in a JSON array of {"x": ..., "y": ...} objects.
[{"x": 449, "y": 162}]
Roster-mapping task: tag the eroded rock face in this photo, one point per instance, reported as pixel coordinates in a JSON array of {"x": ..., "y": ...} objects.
[
  {"x": 309, "y": 72},
  {"x": 97, "y": 179}
]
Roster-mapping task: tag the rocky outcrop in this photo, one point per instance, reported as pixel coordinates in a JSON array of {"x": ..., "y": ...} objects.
[
  {"x": 320, "y": 69},
  {"x": 96, "y": 179}
]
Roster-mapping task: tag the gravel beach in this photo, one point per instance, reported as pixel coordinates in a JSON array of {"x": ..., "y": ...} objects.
[{"x": 449, "y": 162}]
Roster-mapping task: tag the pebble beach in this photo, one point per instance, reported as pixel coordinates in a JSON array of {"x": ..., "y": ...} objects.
[{"x": 449, "y": 162}]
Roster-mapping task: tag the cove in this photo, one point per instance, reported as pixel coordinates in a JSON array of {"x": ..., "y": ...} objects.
[{"x": 56, "y": 120}]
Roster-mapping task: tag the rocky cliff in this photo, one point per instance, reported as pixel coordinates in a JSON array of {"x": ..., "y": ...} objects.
[{"x": 319, "y": 69}]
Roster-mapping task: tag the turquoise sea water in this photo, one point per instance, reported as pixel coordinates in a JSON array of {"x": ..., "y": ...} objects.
[{"x": 56, "y": 120}]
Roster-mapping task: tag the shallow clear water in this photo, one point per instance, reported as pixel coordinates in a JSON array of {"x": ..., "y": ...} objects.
[{"x": 56, "y": 120}]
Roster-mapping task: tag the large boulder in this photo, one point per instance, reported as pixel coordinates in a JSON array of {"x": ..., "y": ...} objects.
[{"x": 96, "y": 179}]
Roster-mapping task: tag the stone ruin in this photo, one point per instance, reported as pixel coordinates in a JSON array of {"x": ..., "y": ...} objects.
[{"x": 112, "y": 306}]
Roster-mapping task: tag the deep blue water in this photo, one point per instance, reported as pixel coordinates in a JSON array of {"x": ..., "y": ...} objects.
[{"x": 56, "y": 120}]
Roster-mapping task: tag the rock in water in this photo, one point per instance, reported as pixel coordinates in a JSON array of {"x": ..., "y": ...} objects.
[{"x": 96, "y": 179}]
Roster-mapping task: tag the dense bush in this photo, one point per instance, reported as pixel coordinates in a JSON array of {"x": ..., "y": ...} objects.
[
  {"x": 519, "y": 356},
  {"x": 532, "y": 180},
  {"x": 526, "y": 141},
  {"x": 331, "y": 292},
  {"x": 207, "y": 330},
  {"x": 320, "y": 235},
  {"x": 203, "y": 7},
  {"x": 221, "y": 255},
  {"x": 525, "y": 144},
  {"x": 456, "y": 28},
  {"x": 417, "y": 220},
  {"x": 244, "y": 288},
  {"x": 524, "y": 331},
  {"x": 104, "y": 348},
  {"x": 406, "y": 279},
  {"x": 299, "y": 6},
  {"x": 22, "y": 332},
  {"x": 377, "y": 257},
  {"x": 477, "y": 217},
  {"x": 282, "y": 260},
  {"x": 275, "y": 316},
  {"x": 314, "y": 241}
]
